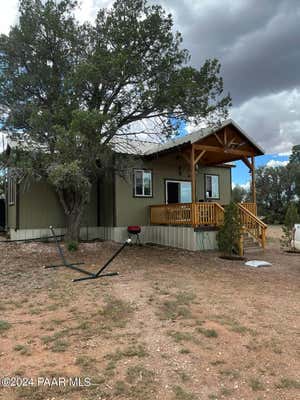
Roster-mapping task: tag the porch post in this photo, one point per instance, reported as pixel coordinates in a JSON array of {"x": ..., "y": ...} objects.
[
  {"x": 193, "y": 179},
  {"x": 253, "y": 180}
]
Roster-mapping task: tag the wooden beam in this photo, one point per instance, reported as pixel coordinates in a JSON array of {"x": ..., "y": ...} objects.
[
  {"x": 247, "y": 162},
  {"x": 225, "y": 136},
  {"x": 222, "y": 150},
  {"x": 253, "y": 180},
  {"x": 231, "y": 142},
  {"x": 193, "y": 178},
  {"x": 198, "y": 158},
  {"x": 219, "y": 140}
]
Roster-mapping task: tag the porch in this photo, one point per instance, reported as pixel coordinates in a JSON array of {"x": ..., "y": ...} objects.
[
  {"x": 216, "y": 147},
  {"x": 209, "y": 215}
]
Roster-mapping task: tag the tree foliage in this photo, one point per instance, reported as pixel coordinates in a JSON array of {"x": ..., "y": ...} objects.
[
  {"x": 291, "y": 218},
  {"x": 229, "y": 234},
  {"x": 239, "y": 194},
  {"x": 71, "y": 90},
  {"x": 275, "y": 188}
]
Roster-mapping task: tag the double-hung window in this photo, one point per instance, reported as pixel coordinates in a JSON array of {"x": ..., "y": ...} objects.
[{"x": 142, "y": 181}]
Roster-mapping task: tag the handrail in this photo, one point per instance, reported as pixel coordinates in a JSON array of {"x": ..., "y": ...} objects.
[
  {"x": 253, "y": 225},
  {"x": 252, "y": 207},
  {"x": 259, "y": 221}
]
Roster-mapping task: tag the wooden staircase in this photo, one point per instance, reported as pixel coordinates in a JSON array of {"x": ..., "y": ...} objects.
[{"x": 253, "y": 236}]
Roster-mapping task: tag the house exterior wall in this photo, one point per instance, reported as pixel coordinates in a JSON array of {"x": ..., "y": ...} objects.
[
  {"x": 132, "y": 210},
  {"x": 113, "y": 206},
  {"x": 11, "y": 216},
  {"x": 106, "y": 211},
  {"x": 39, "y": 207}
]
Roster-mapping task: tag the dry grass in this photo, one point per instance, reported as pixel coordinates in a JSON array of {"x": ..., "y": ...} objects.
[{"x": 174, "y": 325}]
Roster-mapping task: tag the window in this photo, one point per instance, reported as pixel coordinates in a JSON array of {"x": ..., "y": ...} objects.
[
  {"x": 178, "y": 192},
  {"x": 142, "y": 183},
  {"x": 212, "y": 187},
  {"x": 11, "y": 191}
]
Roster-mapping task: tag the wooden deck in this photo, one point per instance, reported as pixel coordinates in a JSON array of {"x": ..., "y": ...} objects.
[{"x": 208, "y": 214}]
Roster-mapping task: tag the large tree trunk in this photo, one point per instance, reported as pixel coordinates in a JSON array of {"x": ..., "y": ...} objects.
[
  {"x": 73, "y": 226},
  {"x": 73, "y": 204}
]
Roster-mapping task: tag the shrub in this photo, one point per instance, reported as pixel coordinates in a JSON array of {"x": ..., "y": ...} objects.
[
  {"x": 229, "y": 234},
  {"x": 291, "y": 218},
  {"x": 72, "y": 246}
]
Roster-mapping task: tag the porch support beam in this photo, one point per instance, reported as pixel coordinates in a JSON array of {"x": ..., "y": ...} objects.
[
  {"x": 199, "y": 156},
  {"x": 247, "y": 162},
  {"x": 253, "y": 185},
  {"x": 193, "y": 178},
  {"x": 251, "y": 166},
  {"x": 217, "y": 149}
]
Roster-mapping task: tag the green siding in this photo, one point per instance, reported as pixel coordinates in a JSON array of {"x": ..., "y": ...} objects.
[
  {"x": 135, "y": 211},
  {"x": 11, "y": 216},
  {"x": 106, "y": 201},
  {"x": 40, "y": 207}
]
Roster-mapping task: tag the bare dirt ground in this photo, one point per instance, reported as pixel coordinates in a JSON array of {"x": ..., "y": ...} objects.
[{"x": 174, "y": 325}]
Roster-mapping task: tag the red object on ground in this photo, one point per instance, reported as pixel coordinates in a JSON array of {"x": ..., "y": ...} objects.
[{"x": 134, "y": 229}]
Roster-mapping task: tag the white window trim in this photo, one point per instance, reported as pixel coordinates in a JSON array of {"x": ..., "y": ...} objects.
[
  {"x": 212, "y": 197},
  {"x": 175, "y": 181},
  {"x": 134, "y": 177}
]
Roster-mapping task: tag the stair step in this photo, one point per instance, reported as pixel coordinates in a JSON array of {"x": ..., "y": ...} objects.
[{"x": 248, "y": 250}]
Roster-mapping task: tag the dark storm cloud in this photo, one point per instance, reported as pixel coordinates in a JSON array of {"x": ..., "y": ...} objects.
[{"x": 257, "y": 42}]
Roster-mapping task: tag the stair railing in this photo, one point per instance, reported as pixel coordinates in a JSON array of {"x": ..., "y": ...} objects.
[{"x": 253, "y": 225}]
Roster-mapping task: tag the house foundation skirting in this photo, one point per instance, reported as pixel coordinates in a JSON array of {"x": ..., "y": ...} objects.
[{"x": 172, "y": 236}]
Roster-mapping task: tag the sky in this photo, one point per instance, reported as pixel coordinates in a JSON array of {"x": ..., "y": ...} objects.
[{"x": 257, "y": 43}]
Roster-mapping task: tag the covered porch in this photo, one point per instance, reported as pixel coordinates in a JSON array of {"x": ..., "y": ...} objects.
[{"x": 218, "y": 147}]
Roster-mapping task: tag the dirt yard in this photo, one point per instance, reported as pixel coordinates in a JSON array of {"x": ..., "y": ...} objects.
[{"x": 173, "y": 325}]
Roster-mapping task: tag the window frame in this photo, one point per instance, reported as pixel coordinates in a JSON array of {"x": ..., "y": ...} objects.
[
  {"x": 205, "y": 187},
  {"x": 12, "y": 191},
  {"x": 180, "y": 181},
  {"x": 143, "y": 170}
]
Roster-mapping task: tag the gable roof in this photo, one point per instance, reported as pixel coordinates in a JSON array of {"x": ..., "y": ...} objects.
[
  {"x": 147, "y": 148},
  {"x": 201, "y": 134}
]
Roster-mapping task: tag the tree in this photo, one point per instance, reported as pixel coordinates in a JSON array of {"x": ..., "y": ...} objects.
[
  {"x": 295, "y": 155},
  {"x": 229, "y": 234},
  {"x": 291, "y": 218},
  {"x": 70, "y": 91},
  {"x": 239, "y": 194},
  {"x": 294, "y": 163},
  {"x": 275, "y": 187}
]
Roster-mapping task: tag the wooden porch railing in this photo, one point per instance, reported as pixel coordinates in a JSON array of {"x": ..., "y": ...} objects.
[
  {"x": 253, "y": 225},
  {"x": 194, "y": 214},
  {"x": 197, "y": 214}
]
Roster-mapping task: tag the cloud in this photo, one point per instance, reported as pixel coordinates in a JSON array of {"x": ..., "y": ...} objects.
[
  {"x": 245, "y": 186},
  {"x": 276, "y": 163},
  {"x": 8, "y": 15}
]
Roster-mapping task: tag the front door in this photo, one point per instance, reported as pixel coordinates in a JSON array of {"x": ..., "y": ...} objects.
[{"x": 178, "y": 191}]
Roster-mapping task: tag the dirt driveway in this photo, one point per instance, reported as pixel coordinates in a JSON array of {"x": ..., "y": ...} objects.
[{"x": 174, "y": 325}]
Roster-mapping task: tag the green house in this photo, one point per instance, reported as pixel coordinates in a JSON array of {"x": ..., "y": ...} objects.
[{"x": 175, "y": 191}]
